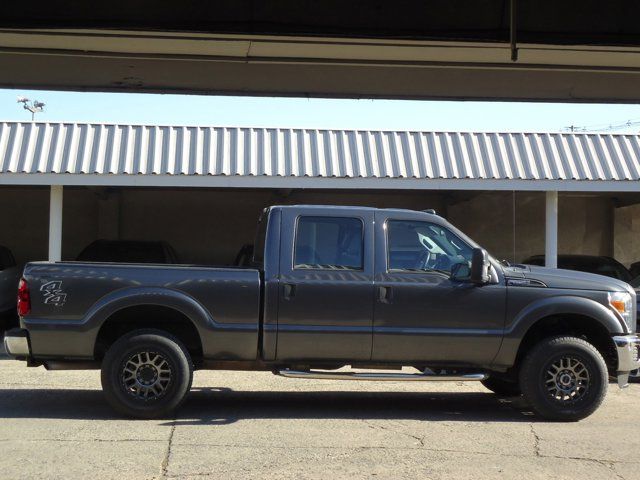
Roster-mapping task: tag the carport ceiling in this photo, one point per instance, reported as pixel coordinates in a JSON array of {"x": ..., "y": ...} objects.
[{"x": 475, "y": 49}]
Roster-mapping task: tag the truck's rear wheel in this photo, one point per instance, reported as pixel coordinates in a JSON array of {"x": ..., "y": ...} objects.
[
  {"x": 501, "y": 386},
  {"x": 564, "y": 378},
  {"x": 146, "y": 374}
]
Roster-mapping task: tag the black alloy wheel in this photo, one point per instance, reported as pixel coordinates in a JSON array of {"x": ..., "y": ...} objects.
[
  {"x": 564, "y": 378},
  {"x": 146, "y": 374}
]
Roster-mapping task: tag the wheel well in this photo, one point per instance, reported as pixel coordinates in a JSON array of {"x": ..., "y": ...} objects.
[
  {"x": 148, "y": 316},
  {"x": 579, "y": 326}
]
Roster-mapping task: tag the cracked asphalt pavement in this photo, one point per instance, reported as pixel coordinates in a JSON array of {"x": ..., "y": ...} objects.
[{"x": 238, "y": 425}]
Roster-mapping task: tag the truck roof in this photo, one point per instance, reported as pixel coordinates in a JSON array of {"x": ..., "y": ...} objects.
[{"x": 353, "y": 207}]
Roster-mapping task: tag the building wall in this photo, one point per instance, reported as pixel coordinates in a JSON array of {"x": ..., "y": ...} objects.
[
  {"x": 80, "y": 220},
  {"x": 585, "y": 223},
  {"x": 627, "y": 234},
  {"x": 209, "y": 226},
  {"x": 24, "y": 221},
  {"x": 206, "y": 227}
]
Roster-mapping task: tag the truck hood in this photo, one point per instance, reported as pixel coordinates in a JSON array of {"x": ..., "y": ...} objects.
[{"x": 569, "y": 279}]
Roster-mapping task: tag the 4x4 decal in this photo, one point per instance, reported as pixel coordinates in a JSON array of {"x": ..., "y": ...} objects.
[{"x": 53, "y": 294}]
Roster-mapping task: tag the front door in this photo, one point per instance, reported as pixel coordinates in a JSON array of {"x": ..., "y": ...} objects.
[
  {"x": 421, "y": 315},
  {"x": 325, "y": 306}
]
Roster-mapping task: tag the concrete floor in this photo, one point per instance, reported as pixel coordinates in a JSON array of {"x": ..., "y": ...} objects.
[{"x": 255, "y": 425}]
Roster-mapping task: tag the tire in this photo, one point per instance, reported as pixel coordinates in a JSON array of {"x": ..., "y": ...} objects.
[
  {"x": 564, "y": 379},
  {"x": 146, "y": 374},
  {"x": 634, "y": 376},
  {"x": 503, "y": 387}
]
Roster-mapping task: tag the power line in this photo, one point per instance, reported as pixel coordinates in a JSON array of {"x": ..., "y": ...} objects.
[{"x": 605, "y": 127}]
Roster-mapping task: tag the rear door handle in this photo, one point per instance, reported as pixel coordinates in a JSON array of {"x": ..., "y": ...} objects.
[
  {"x": 385, "y": 294},
  {"x": 289, "y": 291}
]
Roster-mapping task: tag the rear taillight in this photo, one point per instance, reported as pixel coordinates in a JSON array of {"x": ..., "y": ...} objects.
[{"x": 24, "y": 298}]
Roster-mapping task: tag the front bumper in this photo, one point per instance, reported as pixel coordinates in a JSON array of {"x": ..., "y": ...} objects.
[
  {"x": 628, "y": 349},
  {"x": 16, "y": 343}
]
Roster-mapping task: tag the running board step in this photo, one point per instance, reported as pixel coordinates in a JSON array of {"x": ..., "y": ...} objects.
[{"x": 390, "y": 377}]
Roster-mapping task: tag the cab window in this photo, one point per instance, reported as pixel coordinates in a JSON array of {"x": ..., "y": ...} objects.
[
  {"x": 329, "y": 243},
  {"x": 414, "y": 246}
]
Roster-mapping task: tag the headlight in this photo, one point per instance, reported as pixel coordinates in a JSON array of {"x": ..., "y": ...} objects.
[{"x": 621, "y": 303}]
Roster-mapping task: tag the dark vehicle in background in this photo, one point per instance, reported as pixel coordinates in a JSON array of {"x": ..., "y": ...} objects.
[
  {"x": 331, "y": 287},
  {"x": 634, "y": 270},
  {"x": 601, "y": 265},
  {"x": 128, "y": 251},
  {"x": 9, "y": 277}
]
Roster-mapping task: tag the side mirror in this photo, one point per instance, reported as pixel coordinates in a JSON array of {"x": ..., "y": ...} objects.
[
  {"x": 480, "y": 266},
  {"x": 461, "y": 272}
]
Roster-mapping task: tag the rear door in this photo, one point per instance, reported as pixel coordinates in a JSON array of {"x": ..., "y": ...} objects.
[{"x": 325, "y": 307}]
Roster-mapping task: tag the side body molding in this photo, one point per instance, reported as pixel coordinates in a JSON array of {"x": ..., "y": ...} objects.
[{"x": 533, "y": 312}]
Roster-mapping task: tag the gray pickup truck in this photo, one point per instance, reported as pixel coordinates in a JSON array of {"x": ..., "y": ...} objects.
[{"x": 330, "y": 288}]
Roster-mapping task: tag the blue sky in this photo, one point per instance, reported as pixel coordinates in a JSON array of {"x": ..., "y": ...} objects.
[{"x": 316, "y": 113}]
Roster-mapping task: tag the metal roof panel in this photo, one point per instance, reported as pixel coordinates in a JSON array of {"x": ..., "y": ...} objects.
[{"x": 88, "y": 148}]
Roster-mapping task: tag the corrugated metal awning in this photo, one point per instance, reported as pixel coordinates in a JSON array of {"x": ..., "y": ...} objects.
[{"x": 29, "y": 150}]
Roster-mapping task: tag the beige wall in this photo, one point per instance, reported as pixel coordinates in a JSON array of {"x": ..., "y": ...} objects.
[
  {"x": 204, "y": 226},
  {"x": 209, "y": 226},
  {"x": 79, "y": 220},
  {"x": 627, "y": 234},
  {"x": 584, "y": 223},
  {"x": 24, "y": 221}
]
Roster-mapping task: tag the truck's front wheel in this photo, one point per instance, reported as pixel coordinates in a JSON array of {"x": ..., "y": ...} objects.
[
  {"x": 564, "y": 378},
  {"x": 146, "y": 374}
]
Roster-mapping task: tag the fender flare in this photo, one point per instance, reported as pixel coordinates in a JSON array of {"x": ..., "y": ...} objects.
[
  {"x": 543, "y": 308},
  {"x": 128, "y": 297}
]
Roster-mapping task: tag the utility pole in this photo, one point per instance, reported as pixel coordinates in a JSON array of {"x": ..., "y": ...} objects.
[{"x": 34, "y": 107}]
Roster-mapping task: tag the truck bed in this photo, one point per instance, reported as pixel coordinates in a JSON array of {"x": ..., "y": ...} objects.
[{"x": 71, "y": 302}]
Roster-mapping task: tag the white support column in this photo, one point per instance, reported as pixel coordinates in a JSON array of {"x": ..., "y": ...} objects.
[
  {"x": 551, "y": 231},
  {"x": 55, "y": 223}
]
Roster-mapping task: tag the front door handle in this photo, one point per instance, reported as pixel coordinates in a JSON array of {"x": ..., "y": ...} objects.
[
  {"x": 385, "y": 294},
  {"x": 289, "y": 291}
]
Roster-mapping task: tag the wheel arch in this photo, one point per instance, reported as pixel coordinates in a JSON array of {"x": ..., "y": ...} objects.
[
  {"x": 576, "y": 325},
  {"x": 564, "y": 315},
  {"x": 148, "y": 316}
]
